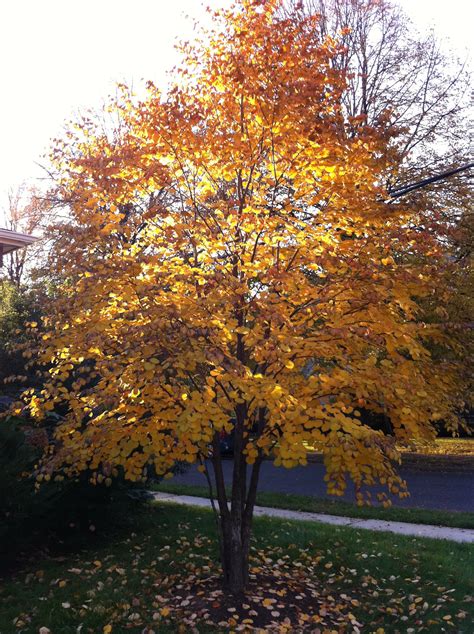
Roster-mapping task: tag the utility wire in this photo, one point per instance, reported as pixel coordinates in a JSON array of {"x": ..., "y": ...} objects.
[{"x": 405, "y": 189}]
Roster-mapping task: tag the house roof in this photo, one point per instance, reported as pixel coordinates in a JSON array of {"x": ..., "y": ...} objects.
[{"x": 11, "y": 240}]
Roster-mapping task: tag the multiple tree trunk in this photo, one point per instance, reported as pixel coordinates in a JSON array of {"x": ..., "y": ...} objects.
[{"x": 234, "y": 514}]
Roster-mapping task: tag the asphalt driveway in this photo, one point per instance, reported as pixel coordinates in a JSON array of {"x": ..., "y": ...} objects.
[{"x": 443, "y": 491}]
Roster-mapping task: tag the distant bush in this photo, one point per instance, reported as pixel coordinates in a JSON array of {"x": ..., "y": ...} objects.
[{"x": 18, "y": 306}]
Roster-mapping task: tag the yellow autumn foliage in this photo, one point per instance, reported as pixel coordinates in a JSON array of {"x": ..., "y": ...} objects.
[{"x": 231, "y": 264}]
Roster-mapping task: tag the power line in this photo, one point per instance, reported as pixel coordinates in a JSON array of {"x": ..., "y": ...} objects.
[{"x": 405, "y": 189}]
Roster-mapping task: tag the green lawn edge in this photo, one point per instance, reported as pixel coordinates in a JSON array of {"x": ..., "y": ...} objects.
[{"x": 451, "y": 519}]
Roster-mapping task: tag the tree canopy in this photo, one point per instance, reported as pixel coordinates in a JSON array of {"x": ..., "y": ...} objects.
[{"x": 231, "y": 266}]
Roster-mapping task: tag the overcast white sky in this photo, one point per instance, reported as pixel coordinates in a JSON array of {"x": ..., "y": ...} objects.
[{"x": 58, "y": 56}]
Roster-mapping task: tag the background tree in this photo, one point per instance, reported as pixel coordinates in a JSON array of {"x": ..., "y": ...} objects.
[
  {"x": 23, "y": 287},
  {"x": 392, "y": 68},
  {"x": 27, "y": 212},
  {"x": 231, "y": 266}
]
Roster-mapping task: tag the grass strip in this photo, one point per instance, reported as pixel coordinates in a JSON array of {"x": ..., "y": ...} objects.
[
  {"x": 336, "y": 507},
  {"x": 439, "y": 446}
]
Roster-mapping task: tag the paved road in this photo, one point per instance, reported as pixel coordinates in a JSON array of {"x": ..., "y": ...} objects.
[{"x": 444, "y": 491}]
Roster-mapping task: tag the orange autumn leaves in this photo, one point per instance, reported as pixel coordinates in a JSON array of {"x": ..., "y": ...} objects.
[{"x": 230, "y": 247}]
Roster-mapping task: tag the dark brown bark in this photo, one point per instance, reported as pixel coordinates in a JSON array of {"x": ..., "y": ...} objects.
[
  {"x": 235, "y": 524},
  {"x": 234, "y": 528},
  {"x": 235, "y": 557}
]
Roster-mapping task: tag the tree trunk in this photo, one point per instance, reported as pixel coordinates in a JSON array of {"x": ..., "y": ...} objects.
[
  {"x": 235, "y": 524},
  {"x": 235, "y": 543}
]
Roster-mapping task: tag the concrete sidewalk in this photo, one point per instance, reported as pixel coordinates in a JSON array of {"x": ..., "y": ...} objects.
[{"x": 400, "y": 528}]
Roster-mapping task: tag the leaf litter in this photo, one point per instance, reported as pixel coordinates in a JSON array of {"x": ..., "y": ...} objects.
[{"x": 291, "y": 589}]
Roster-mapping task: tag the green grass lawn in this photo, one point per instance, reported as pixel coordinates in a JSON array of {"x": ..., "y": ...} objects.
[
  {"x": 120, "y": 583},
  {"x": 336, "y": 507}
]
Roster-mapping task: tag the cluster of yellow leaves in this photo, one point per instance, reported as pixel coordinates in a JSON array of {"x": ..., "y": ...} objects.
[{"x": 232, "y": 256}]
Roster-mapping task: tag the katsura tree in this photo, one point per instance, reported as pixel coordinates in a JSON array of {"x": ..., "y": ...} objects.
[{"x": 231, "y": 266}]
